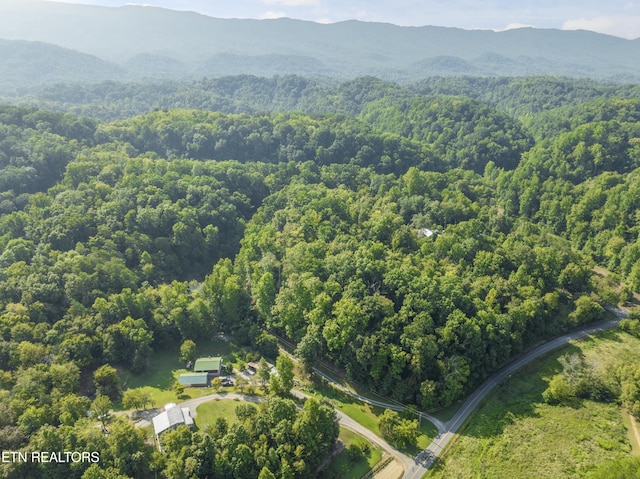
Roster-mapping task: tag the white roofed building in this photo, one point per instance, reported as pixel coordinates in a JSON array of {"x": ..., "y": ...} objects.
[{"x": 172, "y": 417}]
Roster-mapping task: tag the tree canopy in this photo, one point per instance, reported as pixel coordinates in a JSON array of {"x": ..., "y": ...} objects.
[{"x": 417, "y": 237}]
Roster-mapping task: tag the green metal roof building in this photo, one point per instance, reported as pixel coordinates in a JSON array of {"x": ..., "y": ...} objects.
[
  {"x": 193, "y": 379},
  {"x": 209, "y": 365}
]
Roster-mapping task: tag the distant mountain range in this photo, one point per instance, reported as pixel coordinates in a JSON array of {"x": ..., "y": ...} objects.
[{"x": 47, "y": 42}]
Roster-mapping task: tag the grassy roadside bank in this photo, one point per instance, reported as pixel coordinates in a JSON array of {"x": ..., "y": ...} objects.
[{"x": 515, "y": 434}]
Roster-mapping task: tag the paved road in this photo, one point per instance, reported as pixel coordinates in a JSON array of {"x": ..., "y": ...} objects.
[
  {"x": 351, "y": 424},
  {"x": 345, "y": 421},
  {"x": 395, "y": 407},
  {"x": 415, "y": 468},
  {"x": 423, "y": 461},
  {"x": 192, "y": 404}
]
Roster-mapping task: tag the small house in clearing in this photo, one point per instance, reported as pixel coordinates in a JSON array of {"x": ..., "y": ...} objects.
[
  {"x": 194, "y": 380},
  {"x": 172, "y": 417},
  {"x": 211, "y": 365}
]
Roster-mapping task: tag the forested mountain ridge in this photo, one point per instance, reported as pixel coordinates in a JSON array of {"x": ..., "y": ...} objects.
[
  {"x": 520, "y": 97},
  {"x": 50, "y": 64},
  {"x": 416, "y": 236},
  {"x": 163, "y": 44}
]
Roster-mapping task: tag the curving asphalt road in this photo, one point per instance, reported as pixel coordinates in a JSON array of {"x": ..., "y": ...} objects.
[
  {"x": 415, "y": 468},
  {"x": 425, "y": 459},
  {"x": 395, "y": 407},
  {"x": 344, "y": 420},
  {"x": 351, "y": 424}
]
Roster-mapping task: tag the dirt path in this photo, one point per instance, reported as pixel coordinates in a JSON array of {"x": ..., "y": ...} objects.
[
  {"x": 393, "y": 470},
  {"x": 634, "y": 428}
]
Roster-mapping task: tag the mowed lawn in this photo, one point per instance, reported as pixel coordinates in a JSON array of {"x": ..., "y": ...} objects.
[
  {"x": 343, "y": 467},
  {"x": 226, "y": 408},
  {"x": 165, "y": 367},
  {"x": 369, "y": 416},
  {"x": 514, "y": 434}
]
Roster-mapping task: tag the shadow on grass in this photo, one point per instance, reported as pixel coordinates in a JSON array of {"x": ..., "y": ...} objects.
[
  {"x": 345, "y": 466},
  {"x": 444, "y": 414},
  {"x": 352, "y": 384},
  {"x": 369, "y": 416},
  {"x": 351, "y": 462},
  {"x": 427, "y": 432},
  {"x": 161, "y": 371},
  {"x": 363, "y": 413},
  {"x": 612, "y": 335},
  {"x": 328, "y": 391}
]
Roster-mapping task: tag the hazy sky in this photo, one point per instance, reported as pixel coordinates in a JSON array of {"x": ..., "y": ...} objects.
[{"x": 614, "y": 17}]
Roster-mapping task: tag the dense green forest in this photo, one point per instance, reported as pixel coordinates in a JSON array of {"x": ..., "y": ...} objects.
[
  {"x": 529, "y": 99},
  {"x": 416, "y": 237}
]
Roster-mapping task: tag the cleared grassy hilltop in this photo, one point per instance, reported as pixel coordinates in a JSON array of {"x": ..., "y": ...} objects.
[{"x": 515, "y": 434}]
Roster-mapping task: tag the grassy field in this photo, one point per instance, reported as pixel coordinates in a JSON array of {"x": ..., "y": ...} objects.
[
  {"x": 631, "y": 433},
  {"x": 369, "y": 416},
  {"x": 206, "y": 413},
  {"x": 343, "y": 467},
  {"x": 514, "y": 434},
  {"x": 364, "y": 413},
  {"x": 165, "y": 367}
]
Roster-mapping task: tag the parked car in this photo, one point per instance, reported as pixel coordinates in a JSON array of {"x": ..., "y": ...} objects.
[{"x": 226, "y": 382}]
